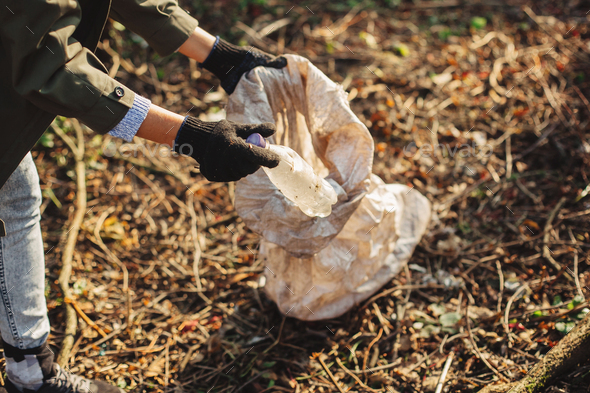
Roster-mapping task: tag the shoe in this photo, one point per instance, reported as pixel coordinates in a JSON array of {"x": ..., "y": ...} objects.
[{"x": 62, "y": 381}]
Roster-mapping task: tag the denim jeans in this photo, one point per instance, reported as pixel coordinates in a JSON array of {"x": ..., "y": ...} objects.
[{"x": 23, "y": 314}]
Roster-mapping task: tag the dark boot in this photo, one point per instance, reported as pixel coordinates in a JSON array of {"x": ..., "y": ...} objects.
[{"x": 34, "y": 368}]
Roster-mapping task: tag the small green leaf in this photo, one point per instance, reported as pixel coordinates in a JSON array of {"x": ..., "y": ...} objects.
[
  {"x": 582, "y": 314},
  {"x": 464, "y": 228},
  {"x": 46, "y": 140},
  {"x": 437, "y": 309},
  {"x": 444, "y": 34},
  {"x": 268, "y": 364},
  {"x": 564, "y": 327},
  {"x": 577, "y": 300},
  {"x": 353, "y": 349},
  {"x": 556, "y": 300},
  {"x": 429, "y": 330},
  {"x": 121, "y": 383},
  {"x": 48, "y": 193},
  {"x": 271, "y": 383},
  {"x": 329, "y": 47},
  {"x": 402, "y": 49},
  {"x": 79, "y": 287},
  {"x": 449, "y": 330},
  {"x": 538, "y": 313},
  {"x": 369, "y": 39},
  {"x": 449, "y": 319},
  {"x": 478, "y": 22},
  {"x": 583, "y": 194},
  {"x": 524, "y": 26}
]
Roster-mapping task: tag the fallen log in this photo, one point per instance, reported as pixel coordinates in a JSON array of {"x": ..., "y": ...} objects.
[{"x": 561, "y": 359}]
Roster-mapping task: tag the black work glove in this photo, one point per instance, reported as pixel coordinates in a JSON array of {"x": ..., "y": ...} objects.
[
  {"x": 221, "y": 150},
  {"x": 229, "y": 62}
]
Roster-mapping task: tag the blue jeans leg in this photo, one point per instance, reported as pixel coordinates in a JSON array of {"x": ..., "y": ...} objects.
[{"x": 23, "y": 313}]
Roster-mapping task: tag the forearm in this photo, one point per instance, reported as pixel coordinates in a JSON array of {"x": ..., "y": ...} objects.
[
  {"x": 198, "y": 45},
  {"x": 160, "y": 125}
]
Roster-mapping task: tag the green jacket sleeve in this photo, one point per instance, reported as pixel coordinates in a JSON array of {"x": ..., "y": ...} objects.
[
  {"x": 53, "y": 71},
  {"x": 162, "y": 23}
]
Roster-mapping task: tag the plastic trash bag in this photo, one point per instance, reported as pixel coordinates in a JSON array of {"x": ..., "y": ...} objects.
[{"x": 319, "y": 268}]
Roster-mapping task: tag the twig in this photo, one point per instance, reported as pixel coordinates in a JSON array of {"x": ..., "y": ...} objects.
[
  {"x": 448, "y": 202},
  {"x": 421, "y": 361},
  {"x": 167, "y": 368},
  {"x": 384, "y": 322},
  {"x": 527, "y": 192},
  {"x": 327, "y": 370},
  {"x": 68, "y": 253},
  {"x": 443, "y": 375},
  {"x": 370, "y": 346},
  {"x": 574, "y": 215},
  {"x": 386, "y": 366},
  {"x": 100, "y": 243},
  {"x": 401, "y": 309},
  {"x": 188, "y": 355},
  {"x": 398, "y": 288},
  {"x": 357, "y": 379},
  {"x": 501, "y": 277},
  {"x": 278, "y": 336},
  {"x": 104, "y": 339},
  {"x": 576, "y": 274},
  {"x": 98, "y": 240},
  {"x": 567, "y": 49},
  {"x": 248, "y": 382},
  {"x": 550, "y": 97},
  {"x": 508, "y": 157},
  {"x": 476, "y": 349},
  {"x": 548, "y": 132},
  {"x": 85, "y": 317},
  {"x": 584, "y": 99},
  {"x": 195, "y": 238},
  {"x": 507, "y": 312},
  {"x": 547, "y": 230}
]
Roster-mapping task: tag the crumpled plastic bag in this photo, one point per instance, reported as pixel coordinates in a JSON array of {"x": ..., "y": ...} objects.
[{"x": 319, "y": 268}]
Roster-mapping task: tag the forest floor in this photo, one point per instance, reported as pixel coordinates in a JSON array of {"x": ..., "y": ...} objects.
[{"x": 499, "y": 278}]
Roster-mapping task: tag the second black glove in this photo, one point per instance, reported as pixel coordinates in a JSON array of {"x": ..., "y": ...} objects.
[{"x": 229, "y": 62}]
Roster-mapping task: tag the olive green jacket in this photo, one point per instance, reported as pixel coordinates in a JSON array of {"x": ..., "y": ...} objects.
[{"x": 48, "y": 68}]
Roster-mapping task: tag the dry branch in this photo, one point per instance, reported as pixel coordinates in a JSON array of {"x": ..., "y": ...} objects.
[
  {"x": 327, "y": 370},
  {"x": 67, "y": 256},
  {"x": 571, "y": 350}
]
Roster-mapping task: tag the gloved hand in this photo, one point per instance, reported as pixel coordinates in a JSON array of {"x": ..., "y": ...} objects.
[
  {"x": 221, "y": 150},
  {"x": 229, "y": 62}
]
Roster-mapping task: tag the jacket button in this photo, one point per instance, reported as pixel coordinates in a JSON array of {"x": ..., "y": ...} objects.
[{"x": 119, "y": 91}]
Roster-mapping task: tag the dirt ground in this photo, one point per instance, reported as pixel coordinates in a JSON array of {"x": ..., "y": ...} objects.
[{"x": 498, "y": 88}]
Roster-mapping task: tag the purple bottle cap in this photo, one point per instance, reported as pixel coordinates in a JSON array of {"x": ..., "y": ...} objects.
[{"x": 257, "y": 140}]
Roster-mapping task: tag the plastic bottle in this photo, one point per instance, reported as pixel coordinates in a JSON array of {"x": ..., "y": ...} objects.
[{"x": 295, "y": 178}]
